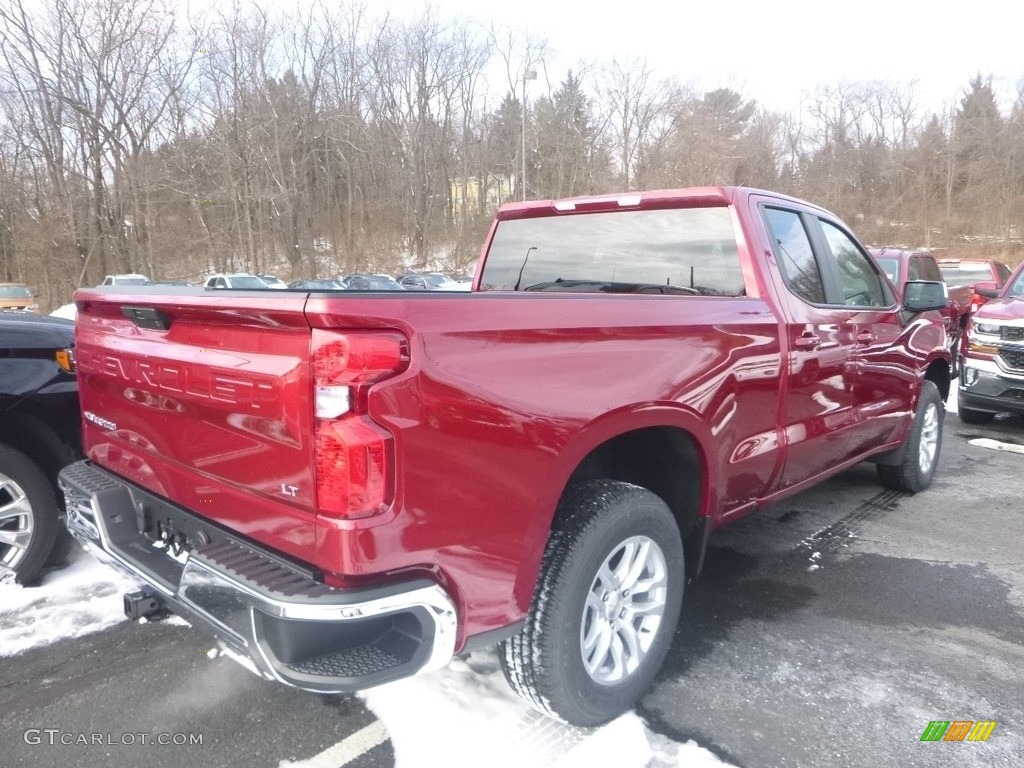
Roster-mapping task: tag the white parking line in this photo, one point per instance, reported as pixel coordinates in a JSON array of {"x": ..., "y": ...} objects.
[
  {"x": 348, "y": 749},
  {"x": 996, "y": 445}
]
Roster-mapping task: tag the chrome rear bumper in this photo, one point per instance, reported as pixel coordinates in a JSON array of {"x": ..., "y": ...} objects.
[{"x": 272, "y": 615}]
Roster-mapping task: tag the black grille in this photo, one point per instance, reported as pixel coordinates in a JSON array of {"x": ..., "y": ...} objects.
[
  {"x": 1013, "y": 358},
  {"x": 1007, "y": 333}
]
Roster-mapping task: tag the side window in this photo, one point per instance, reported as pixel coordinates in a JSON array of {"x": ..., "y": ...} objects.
[
  {"x": 930, "y": 270},
  {"x": 795, "y": 256},
  {"x": 914, "y": 270},
  {"x": 860, "y": 283},
  {"x": 1004, "y": 273}
]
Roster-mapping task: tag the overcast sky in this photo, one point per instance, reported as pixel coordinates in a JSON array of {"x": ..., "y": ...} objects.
[{"x": 775, "y": 51}]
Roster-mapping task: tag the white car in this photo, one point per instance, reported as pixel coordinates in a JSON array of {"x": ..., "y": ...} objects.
[
  {"x": 236, "y": 280},
  {"x": 274, "y": 282}
]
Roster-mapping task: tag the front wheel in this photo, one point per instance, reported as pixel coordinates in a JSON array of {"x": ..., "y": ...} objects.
[
  {"x": 921, "y": 457},
  {"x": 974, "y": 417},
  {"x": 605, "y": 607}
]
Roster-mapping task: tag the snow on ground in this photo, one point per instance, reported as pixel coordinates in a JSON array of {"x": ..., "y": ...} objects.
[
  {"x": 464, "y": 715},
  {"x": 83, "y": 598},
  {"x": 68, "y": 311}
]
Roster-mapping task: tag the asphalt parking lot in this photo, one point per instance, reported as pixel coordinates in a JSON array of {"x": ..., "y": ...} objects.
[
  {"x": 827, "y": 630},
  {"x": 831, "y": 628}
]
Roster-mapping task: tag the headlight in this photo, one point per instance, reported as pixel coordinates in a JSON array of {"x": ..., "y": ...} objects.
[
  {"x": 989, "y": 329},
  {"x": 66, "y": 359}
]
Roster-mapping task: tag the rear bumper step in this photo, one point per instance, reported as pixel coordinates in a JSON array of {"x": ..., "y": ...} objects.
[{"x": 275, "y": 617}]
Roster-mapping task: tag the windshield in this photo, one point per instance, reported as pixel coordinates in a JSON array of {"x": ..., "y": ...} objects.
[
  {"x": 246, "y": 282},
  {"x": 677, "y": 251},
  {"x": 891, "y": 267},
  {"x": 15, "y": 292},
  {"x": 965, "y": 274},
  {"x": 1016, "y": 291},
  {"x": 436, "y": 280},
  {"x": 383, "y": 284}
]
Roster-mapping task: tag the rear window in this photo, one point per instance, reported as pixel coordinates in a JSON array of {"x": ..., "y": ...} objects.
[
  {"x": 685, "y": 251},
  {"x": 965, "y": 274},
  {"x": 891, "y": 267},
  {"x": 15, "y": 292}
]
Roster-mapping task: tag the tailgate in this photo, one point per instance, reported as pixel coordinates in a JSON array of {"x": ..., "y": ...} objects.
[{"x": 205, "y": 401}]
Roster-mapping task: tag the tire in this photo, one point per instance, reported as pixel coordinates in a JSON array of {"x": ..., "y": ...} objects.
[
  {"x": 28, "y": 515},
  {"x": 971, "y": 416},
  {"x": 923, "y": 444},
  {"x": 600, "y": 525}
]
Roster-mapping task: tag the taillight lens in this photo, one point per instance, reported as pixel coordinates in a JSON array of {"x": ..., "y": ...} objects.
[{"x": 354, "y": 455}]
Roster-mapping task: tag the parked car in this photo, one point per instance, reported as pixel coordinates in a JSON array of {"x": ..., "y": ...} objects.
[
  {"x": 171, "y": 282},
  {"x": 274, "y": 282},
  {"x": 238, "y": 280},
  {"x": 662, "y": 364},
  {"x": 17, "y": 297},
  {"x": 40, "y": 429},
  {"x": 902, "y": 265},
  {"x": 371, "y": 283},
  {"x": 992, "y": 374},
  {"x": 131, "y": 279},
  {"x": 430, "y": 281},
  {"x": 974, "y": 274},
  {"x": 317, "y": 285}
]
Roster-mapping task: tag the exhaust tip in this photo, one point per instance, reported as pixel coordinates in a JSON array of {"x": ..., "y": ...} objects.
[{"x": 143, "y": 605}]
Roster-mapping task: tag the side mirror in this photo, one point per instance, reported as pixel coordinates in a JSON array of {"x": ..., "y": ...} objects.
[
  {"x": 925, "y": 295},
  {"x": 987, "y": 288}
]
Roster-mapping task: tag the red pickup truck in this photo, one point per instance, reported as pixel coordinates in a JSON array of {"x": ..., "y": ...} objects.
[
  {"x": 901, "y": 265},
  {"x": 346, "y": 488}
]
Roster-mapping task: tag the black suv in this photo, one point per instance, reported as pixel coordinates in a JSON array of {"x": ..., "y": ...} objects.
[{"x": 40, "y": 432}]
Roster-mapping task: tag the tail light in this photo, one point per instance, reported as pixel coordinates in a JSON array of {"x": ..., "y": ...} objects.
[{"x": 354, "y": 455}]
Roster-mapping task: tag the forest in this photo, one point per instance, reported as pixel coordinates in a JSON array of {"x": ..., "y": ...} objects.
[{"x": 136, "y": 138}]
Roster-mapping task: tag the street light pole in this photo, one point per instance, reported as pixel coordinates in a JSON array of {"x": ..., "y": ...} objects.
[{"x": 530, "y": 74}]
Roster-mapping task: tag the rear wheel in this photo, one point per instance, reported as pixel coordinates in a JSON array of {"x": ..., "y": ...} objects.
[
  {"x": 605, "y": 608},
  {"x": 923, "y": 443},
  {"x": 28, "y": 515}
]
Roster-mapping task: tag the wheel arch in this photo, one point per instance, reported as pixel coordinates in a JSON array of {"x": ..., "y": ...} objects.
[
  {"x": 939, "y": 373},
  {"x": 663, "y": 448},
  {"x": 39, "y": 442}
]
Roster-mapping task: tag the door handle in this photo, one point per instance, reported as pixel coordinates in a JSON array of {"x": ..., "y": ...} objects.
[
  {"x": 808, "y": 341},
  {"x": 865, "y": 337}
]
